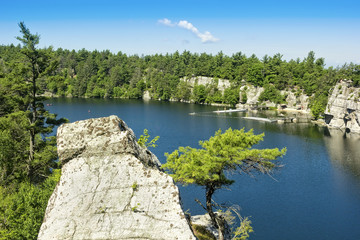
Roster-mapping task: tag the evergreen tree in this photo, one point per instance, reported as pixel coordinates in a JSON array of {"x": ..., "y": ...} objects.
[
  {"x": 38, "y": 64},
  {"x": 207, "y": 166}
]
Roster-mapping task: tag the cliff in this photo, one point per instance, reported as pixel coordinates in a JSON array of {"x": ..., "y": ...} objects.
[
  {"x": 292, "y": 100},
  {"x": 220, "y": 84},
  {"x": 343, "y": 108},
  {"x": 111, "y": 188}
]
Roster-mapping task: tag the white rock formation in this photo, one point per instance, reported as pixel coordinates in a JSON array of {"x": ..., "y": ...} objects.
[
  {"x": 300, "y": 102},
  {"x": 221, "y": 84},
  {"x": 253, "y": 93},
  {"x": 146, "y": 96},
  {"x": 343, "y": 109},
  {"x": 111, "y": 188}
]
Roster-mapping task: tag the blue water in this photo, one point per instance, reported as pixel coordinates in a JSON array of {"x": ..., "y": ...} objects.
[{"x": 315, "y": 195}]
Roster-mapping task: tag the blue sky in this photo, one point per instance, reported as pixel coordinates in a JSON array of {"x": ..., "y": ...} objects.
[{"x": 292, "y": 28}]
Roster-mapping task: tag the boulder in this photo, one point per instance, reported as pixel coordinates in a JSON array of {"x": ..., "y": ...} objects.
[{"x": 111, "y": 188}]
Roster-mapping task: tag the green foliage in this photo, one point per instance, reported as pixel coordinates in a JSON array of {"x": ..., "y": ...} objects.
[
  {"x": 243, "y": 97},
  {"x": 202, "y": 233},
  {"x": 14, "y": 141},
  {"x": 207, "y": 166},
  {"x": 231, "y": 96},
  {"x": 230, "y": 150},
  {"x": 243, "y": 231},
  {"x": 255, "y": 74},
  {"x": 105, "y": 75},
  {"x": 272, "y": 94},
  {"x": 199, "y": 94},
  {"x": 144, "y": 140},
  {"x": 28, "y": 166},
  {"x": 134, "y": 186},
  {"x": 22, "y": 208},
  {"x": 183, "y": 91},
  {"x": 37, "y": 65},
  {"x": 318, "y": 105}
]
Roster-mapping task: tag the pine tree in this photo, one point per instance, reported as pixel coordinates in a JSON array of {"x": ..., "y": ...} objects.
[
  {"x": 38, "y": 64},
  {"x": 207, "y": 166}
]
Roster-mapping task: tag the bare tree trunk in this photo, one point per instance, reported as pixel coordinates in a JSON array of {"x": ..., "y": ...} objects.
[
  {"x": 33, "y": 119},
  {"x": 217, "y": 221}
]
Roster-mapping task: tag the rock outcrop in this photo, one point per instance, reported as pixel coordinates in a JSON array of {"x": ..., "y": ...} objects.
[
  {"x": 300, "y": 102},
  {"x": 221, "y": 84},
  {"x": 111, "y": 188},
  {"x": 343, "y": 108},
  {"x": 252, "y": 93}
]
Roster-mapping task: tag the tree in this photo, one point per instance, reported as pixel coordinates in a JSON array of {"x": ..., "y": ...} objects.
[
  {"x": 255, "y": 74},
  {"x": 231, "y": 96},
  {"x": 143, "y": 140},
  {"x": 28, "y": 156},
  {"x": 271, "y": 93},
  {"x": 13, "y": 148},
  {"x": 207, "y": 166},
  {"x": 22, "y": 209},
  {"x": 38, "y": 64},
  {"x": 199, "y": 94}
]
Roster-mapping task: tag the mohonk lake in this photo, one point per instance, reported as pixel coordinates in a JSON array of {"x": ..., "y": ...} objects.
[{"x": 315, "y": 195}]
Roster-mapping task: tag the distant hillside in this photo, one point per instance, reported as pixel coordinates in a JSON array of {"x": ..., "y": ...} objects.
[{"x": 107, "y": 75}]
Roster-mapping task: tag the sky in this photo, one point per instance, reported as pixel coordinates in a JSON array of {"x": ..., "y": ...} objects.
[{"x": 262, "y": 27}]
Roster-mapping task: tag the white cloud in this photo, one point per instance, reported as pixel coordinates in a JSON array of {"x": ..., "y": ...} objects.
[
  {"x": 185, "y": 24},
  {"x": 205, "y": 37},
  {"x": 166, "y": 22}
]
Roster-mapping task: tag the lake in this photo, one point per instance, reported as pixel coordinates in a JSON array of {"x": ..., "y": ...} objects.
[{"x": 315, "y": 195}]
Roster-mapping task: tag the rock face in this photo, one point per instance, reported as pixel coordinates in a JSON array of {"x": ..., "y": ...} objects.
[
  {"x": 221, "y": 84},
  {"x": 111, "y": 188},
  {"x": 343, "y": 109},
  {"x": 300, "y": 102},
  {"x": 252, "y": 94}
]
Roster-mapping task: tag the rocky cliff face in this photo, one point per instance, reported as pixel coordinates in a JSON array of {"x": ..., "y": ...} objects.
[
  {"x": 111, "y": 188},
  {"x": 221, "y": 84},
  {"x": 343, "y": 109},
  {"x": 300, "y": 102}
]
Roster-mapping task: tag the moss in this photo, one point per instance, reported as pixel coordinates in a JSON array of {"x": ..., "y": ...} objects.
[
  {"x": 134, "y": 186},
  {"x": 202, "y": 233}
]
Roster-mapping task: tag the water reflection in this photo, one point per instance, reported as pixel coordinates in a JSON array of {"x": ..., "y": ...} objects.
[{"x": 344, "y": 150}]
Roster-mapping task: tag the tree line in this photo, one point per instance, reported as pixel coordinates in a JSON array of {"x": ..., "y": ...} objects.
[{"x": 103, "y": 74}]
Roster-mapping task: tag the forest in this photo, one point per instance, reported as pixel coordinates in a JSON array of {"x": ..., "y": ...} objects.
[
  {"x": 29, "y": 170},
  {"x": 104, "y": 74}
]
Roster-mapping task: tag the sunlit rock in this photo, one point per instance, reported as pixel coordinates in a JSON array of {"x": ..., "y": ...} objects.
[
  {"x": 343, "y": 108},
  {"x": 111, "y": 188}
]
